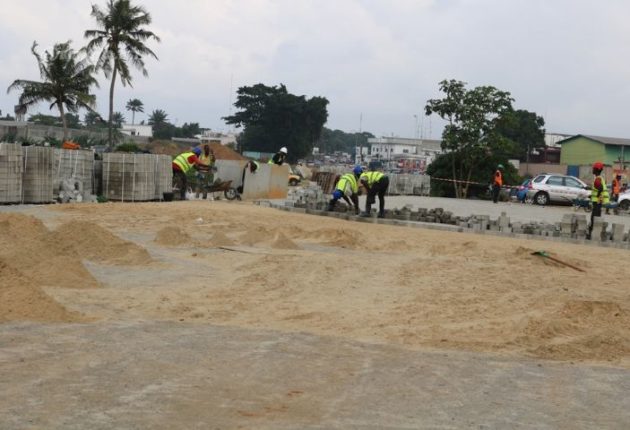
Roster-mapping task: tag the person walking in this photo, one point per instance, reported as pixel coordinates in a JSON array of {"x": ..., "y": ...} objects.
[
  {"x": 347, "y": 188},
  {"x": 280, "y": 157},
  {"x": 375, "y": 183},
  {"x": 182, "y": 164},
  {"x": 599, "y": 195},
  {"x": 497, "y": 183}
]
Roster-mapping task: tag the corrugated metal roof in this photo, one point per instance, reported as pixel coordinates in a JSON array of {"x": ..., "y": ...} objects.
[{"x": 602, "y": 139}]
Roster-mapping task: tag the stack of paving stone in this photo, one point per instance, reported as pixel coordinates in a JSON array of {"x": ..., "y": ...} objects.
[
  {"x": 76, "y": 166},
  {"x": 163, "y": 175},
  {"x": 129, "y": 177},
  {"x": 11, "y": 169},
  {"x": 37, "y": 179},
  {"x": 310, "y": 197}
]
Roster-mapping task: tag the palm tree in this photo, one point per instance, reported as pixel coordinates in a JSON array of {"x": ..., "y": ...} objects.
[
  {"x": 93, "y": 119},
  {"x": 66, "y": 82},
  {"x": 122, "y": 36},
  {"x": 118, "y": 119},
  {"x": 158, "y": 117},
  {"x": 134, "y": 105}
]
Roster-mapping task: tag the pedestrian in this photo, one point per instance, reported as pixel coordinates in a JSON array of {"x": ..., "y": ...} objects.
[
  {"x": 280, "y": 157},
  {"x": 347, "y": 188},
  {"x": 182, "y": 165},
  {"x": 615, "y": 189},
  {"x": 599, "y": 194},
  {"x": 375, "y": 183},
  {"x": 497, "y": 183},
  {"x": 205, "y": 175}
]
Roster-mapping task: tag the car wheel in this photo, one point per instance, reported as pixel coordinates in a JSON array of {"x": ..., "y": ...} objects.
[
  {"x": 541, "y": 199},
  {"x": 624, "y": 205},
  {"x": 230, "y": 194},
  {"x": 293, "y": 182}
]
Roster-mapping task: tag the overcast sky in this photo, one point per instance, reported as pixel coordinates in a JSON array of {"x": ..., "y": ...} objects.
[{"x": 567, "y": 60}]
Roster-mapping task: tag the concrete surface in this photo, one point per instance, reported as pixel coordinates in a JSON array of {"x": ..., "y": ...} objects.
[{"x": 140, "y": 375}]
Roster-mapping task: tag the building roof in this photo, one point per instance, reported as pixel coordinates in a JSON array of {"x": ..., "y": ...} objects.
[
  {"x": 425, "y": 143},
  {"x": 601, "y": 139}
]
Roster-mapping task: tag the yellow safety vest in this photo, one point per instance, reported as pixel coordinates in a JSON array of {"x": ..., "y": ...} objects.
[
  {"x": 604, "y": 195},
  {"x": 182, "y": 161},
  {"x": 206, "y": 160},
  {"x": 372, "y": 177},
  {"x": 344, "y": 180}
]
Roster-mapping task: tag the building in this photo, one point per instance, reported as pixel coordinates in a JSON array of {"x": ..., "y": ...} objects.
[
  {"x": 412, "y": 155},
  {"x": 137, "y": 130},
  {"x": 581, "y": 149},
  {"x": 210, "y": 136}
]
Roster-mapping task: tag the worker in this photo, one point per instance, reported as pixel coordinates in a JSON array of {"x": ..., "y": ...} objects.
[
  {"x": 205, "y": 175},
  {"x": 375, "y": 183},
  {"x": 252, "y": 166},
  {"x": 615, "y": 189},
  {"x": 279, "y": 158},
  {"x": 184, "y": 163},
  {"x": 599, "y": 194},
  {"x": 347, "y": 188},
  {"x": 497, "y": 183}
]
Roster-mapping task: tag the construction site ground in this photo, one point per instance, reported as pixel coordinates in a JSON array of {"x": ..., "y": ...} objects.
[{"x": 221, "y": 315}]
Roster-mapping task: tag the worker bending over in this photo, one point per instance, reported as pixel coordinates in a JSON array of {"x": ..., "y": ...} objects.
[
  {"x": 375, "y": 183},
  {"x": 252, "y": 166},
  {"x": 184, "y": 163},
  {"x": 599, "y": 195},
  {"x": 280, "y": 157},
  {"x": 347, "y": 188}
]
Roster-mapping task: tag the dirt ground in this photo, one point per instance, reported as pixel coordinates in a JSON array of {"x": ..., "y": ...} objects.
[{"x": 239, "y": 265}]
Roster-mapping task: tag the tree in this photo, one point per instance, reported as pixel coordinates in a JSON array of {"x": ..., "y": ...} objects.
[
  {"x": 134, "y": 105},
  {"x": 158, "y": 117},
  {"x": 524, "y": 129},
  {"x": 66, "y": 82},
  {"x": 162, "y": 128},
  {"x": 331, "y": 141},
  {"x": 118, "y": 119},
  {"x": 272, "y": 118},
  {"x": 121, "y": 35},
  {"x": 93, "y": 119},
  {"x": 470, "y": 133}
]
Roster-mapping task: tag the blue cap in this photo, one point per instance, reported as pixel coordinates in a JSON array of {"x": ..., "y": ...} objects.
[
  {"x": 357, "y": 170},
  {"x": 197, "y": 151}
]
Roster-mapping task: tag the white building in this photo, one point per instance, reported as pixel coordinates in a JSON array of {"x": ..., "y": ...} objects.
[
  {"x": 210, "y": 136},
  {"x": 391, "y": 148},
  {"x": 137, "y": 130}
]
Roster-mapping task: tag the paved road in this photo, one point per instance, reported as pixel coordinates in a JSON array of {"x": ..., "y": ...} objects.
[{"x": 140, "y": 375}]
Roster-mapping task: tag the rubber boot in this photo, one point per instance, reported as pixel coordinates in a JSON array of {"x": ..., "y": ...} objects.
[{"x": 331, "y": 205}]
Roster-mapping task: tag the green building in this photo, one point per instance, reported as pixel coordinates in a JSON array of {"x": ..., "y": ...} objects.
[{"x": 583, "y": 150}]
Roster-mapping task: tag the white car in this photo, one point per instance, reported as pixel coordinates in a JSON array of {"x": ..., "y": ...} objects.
[
  {"x": 624, "y": 200},
  {"x": 552, "y": 188}
]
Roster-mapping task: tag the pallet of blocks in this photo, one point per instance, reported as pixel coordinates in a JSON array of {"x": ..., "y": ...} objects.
[
  {"x": 11, "y": 169},
  {"x": 129, "y": 177},
  {"x": 163, "y": 175},
  {"x": 37, "y": 179}
]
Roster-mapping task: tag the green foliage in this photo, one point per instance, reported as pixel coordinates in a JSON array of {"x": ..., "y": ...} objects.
[
  {"x": 101, "y": 199},
  {"x": 470, "y": 133},
  {"x": 525, "y": 130},
  {"x": 121, "y": 37},
  {"x": 134, "y": 105},
  {"x": 66, "y": 82},
  {"x": 158, "y": 117},
  {"x": 336, "y": 140},
  {"x": 482, "y": 172},
  {"x": 93, "y": 119},
  {"x": 49, "y": 120},
  {"x": 118, "y": 119},
  {"x": 53, "y": 141},
  {"x": 128, "y": 147},
  {"x": 272, "y": 118}
]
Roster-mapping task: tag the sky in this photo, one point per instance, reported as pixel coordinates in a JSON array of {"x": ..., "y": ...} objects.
[{"x": 376, "y": 61}]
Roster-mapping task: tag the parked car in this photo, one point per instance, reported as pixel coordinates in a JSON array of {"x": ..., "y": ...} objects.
[
  {"x": 552, "y": 188},
  {"x": 520, "y": 193},
  {"x": 624, "y": 201}
]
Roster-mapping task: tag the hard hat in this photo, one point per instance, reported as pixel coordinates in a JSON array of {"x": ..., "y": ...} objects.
[
  {"x": 284, "y": 150},
  {"x": 598, "y": 165},
  {"x": 197, "y": 151},
  {"x": 500, "y": 166},
  {"x": 357, "y": 170}
]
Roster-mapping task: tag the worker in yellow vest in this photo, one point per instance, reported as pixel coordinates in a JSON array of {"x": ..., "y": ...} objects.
[
  {"x": 347, "y": 188},
  {"x": 182, "y": 164},
  {"x": 599, "y": 194},
  {"x": 375, "y": 183},
  {"x": 205, "y": 175},
  {"x": 280, "y": 157}
]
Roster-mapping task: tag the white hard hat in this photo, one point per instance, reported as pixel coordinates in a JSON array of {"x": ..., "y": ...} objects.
[{"x": 284, "y": 150}]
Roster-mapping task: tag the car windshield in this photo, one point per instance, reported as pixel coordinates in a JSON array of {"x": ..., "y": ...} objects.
[
  {"x": 573, "y": 183},
  {"x": 555, "y": 180}
]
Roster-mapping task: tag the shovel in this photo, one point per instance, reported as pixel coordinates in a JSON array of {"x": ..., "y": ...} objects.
[{"x": 544, "y": 254}]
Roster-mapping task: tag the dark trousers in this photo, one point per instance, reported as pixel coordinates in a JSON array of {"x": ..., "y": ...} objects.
[
  {"x": 183, "y": 181},
  {"x": 596, "y": 212},
  {"x": 378, "y": 189},
  {"x": 496, "y": 189}
]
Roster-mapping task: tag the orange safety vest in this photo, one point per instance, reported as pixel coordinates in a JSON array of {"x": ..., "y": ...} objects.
[
  {"x": 498, "y": 178},
  {"x": 616, "y": 186}
]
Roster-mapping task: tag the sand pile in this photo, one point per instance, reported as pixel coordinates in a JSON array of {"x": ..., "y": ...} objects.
[
  {"x": 29, "y": 248},
  {"x": 93, "y": 242},
  {"x": 343, "y": 238},
  {"x": 220, "y": 239},
  {"x": 283, "y": 242},
  {"x": 254, "y": 236},
  {"x": 591, "y": 330},
  {"x": 22, "y": 299},
  {"x": 172, "y": 236}
]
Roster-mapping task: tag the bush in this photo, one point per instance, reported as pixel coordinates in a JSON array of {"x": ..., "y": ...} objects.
[{"x": 128, "y": 147}]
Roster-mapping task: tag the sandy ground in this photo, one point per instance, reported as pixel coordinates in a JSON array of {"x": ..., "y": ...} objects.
[
  {"x": 246, "y": 266},
  {"x": 229, "y": 315}
]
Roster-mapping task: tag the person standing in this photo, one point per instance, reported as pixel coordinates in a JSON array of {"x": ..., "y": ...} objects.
[
  {"x": 599, "y": 194},
  {"x": 497, "y": 183},
  {"x": 280, "y": 157},
  {"x": 205, "y": 175},
  {"x": 615, "y": 189},
  {"x": 347, "y": 188},
  {"x": 375, "y": 183},
  {"x": 182, "y": 164}
]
